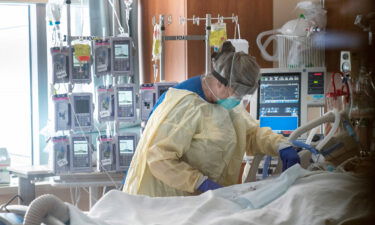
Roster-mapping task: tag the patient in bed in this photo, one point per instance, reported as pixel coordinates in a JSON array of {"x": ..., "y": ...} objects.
[{"x": 297, "y": 196}]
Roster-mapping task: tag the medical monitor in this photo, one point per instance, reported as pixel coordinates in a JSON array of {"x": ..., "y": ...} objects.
[{"x": 279, "y": 101}]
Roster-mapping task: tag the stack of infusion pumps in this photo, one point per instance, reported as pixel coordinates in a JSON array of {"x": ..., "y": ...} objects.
[
  {"x": 73, "y": 112},
  {"x": 111, "y": 57},
  {"x": 72, "y": 154}
]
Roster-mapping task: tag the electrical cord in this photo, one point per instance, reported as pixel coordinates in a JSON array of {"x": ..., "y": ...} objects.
[{"x": 3, "y": 207}]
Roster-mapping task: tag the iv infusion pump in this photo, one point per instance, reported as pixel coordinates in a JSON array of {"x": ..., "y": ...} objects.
[
  {"x": 125, "y": 108},
  {"x": 106, "y": 104},
  {"x": 102, "y": 57},
  {"x": 149, "y": 94},
  {"x": 62, "y": 112},
  {"x": 125, "y": 147},
  {"x": 121, "y": 56},
  {"x": 80, "y": 153},
  {"x": 60, "y": 62},
  {"x": 60, "y": 154},
  {"x": 82, "y": 110},
  {"x": 106, "y": 154}
]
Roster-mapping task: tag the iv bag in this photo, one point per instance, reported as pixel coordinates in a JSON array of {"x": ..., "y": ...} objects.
[
  {"x": 82, "y": 52},
  {"x": 241, "y": 45},
  {"x": 156, "y": 43},
  {"x": 218, "y": 34}
]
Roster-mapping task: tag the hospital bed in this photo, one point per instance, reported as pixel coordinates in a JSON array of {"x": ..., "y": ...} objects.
[
  {"x": 297, "y": 196},
  {"x": 312, "y": 198}
]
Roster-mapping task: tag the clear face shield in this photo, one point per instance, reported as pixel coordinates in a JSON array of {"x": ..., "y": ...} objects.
[
  {"x": 246, "y": 100},
  {"x": 237, "y": 91}
]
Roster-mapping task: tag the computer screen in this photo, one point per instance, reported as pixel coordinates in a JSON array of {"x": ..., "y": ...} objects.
[{"x": 279, "y": 101}]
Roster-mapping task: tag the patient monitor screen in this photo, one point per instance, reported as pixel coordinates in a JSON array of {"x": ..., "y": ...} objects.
[{"x": 279, "y": 104}]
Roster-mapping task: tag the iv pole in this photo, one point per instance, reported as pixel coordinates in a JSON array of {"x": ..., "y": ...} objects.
[{"x": 196, "y": 20}]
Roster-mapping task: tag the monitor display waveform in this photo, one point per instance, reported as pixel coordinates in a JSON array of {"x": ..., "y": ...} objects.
[
  {"x": 279, "y": 102},
  {"x": 279, "y": 93}
]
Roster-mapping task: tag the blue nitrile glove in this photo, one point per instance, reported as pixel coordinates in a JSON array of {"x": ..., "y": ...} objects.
[
  {"x": 289, "y": 157},
  {"x": 208, "y": 185}
]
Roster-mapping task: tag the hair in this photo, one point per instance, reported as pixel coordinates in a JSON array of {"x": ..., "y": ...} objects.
[{"x": 245, "y": 73}]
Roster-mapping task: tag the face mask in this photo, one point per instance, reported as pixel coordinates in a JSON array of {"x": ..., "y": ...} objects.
[{"x": 228, "y": 103}]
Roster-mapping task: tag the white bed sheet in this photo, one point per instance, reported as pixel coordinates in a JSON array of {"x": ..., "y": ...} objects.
[{"x": 314, "y": 198}]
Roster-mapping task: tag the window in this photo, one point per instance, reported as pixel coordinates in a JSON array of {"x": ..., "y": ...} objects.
[
  {"x": 15, "y": 99},
  {"x": 25, "y": 72}
]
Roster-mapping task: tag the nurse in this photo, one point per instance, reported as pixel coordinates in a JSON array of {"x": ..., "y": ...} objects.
[{"x": 198, "y": 133}]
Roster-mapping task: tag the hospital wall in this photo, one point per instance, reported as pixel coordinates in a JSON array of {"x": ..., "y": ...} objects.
[
  {"x": 186, "y": 59},
  {"x": 254, "y": 16}
]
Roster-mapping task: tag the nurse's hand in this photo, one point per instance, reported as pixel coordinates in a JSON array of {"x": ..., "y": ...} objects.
[
  {"x": 289, "y": 157},
  {"x": 208, "y": 185}
]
